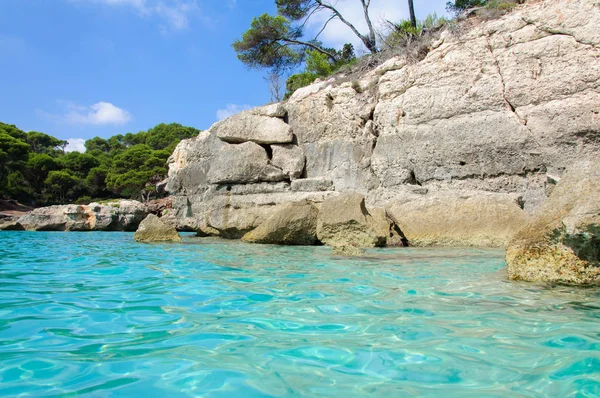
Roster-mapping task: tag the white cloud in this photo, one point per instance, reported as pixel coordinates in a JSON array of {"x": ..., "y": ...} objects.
[
  {"x": 337, "y": 33},
  {"x": 231, "y": 109},
  {"x": 97, "y": 114},
  {"x": 75, "y": 145},
  {"x": 175, "y": 13}
]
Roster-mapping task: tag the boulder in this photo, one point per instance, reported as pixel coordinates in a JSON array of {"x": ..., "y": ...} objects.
[
  {"x": 457, "y": 218},
  {"x": 247, "y": 126},
  {"x": 293, "y": 224},
  {"x": 562, "y": 242},
  {"x": 242, "y": 164},
  {"x": 289, "y": 158},
  {"x": 344, "y": 220},
  {"x": 153, "y": 229},
  {"x": 272, "y": 110}
]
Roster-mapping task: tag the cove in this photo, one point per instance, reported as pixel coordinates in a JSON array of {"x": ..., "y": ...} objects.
[{"x": 97, "y": 314}]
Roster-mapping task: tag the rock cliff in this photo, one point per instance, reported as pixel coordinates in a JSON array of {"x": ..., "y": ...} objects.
[{"x": 483, "y": 123}]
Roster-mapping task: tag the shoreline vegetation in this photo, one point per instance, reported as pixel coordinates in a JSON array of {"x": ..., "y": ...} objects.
[{"x": 36, "y": 171}]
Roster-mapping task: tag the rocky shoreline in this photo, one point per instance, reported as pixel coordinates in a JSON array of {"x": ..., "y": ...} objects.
[{"x": 492, "y": 140}]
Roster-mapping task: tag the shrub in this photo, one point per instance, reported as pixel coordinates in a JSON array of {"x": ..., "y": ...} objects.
[{"x": 84, "y": 200}]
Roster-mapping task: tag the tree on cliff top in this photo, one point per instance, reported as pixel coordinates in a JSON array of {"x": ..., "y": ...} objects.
[{"x": 276, "y": 41}]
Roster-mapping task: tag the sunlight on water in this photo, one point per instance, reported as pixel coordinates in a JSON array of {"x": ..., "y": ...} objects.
[{"x": 97, "y": 314}]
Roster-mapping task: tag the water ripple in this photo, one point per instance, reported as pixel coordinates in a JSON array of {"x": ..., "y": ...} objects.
[{"x": 96, "y": 314}]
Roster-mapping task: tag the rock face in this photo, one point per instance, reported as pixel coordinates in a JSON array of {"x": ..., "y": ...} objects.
[
  {"x": 293, "y": 224},
  {"x": 458, "y": 147},
  {"x": 562, "y": 243},
  {"x": 345, "y": 221},
  {"x": 249, "y": 127},
  {"x": 122, "y": 215},
  {"x": 469, "y": 219},
  {"x": 243, "y": 164},
  {"x": 152, "y": 229}
]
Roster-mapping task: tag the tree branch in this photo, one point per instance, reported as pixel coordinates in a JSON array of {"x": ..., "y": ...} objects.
[
  {"x": 324, "y": 26},
  {"x": 311, "y": 45},
  {"x": 369, "y": 43}
]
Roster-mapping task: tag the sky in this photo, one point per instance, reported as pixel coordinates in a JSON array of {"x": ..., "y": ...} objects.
[{"x": 76, "y": 69}]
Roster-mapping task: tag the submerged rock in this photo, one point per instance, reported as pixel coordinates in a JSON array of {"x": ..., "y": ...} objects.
[
  {"x": 344, "y": 220},
  {"x": 347, "y": 251},
  {"x": 293, "y": 224},
  {"x": 153, "y": 229},
  {"x": 562, "y": 243}
]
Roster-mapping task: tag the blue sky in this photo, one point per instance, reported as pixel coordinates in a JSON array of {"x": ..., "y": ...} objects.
[{"x": 76, "y": 69}]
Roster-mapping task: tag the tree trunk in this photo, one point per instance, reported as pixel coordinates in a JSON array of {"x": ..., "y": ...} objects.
[{"x": 411, "y": 9}]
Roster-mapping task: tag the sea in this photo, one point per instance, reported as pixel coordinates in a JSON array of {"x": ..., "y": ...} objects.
[{"x": 95, "y": 314}]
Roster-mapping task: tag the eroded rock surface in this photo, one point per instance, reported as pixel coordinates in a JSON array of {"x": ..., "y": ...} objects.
[
  {"x": 122, "y": 215},
  {"x": 562, "y": 243},
  {"x": 345, "y": 221},
  {"x": 293, "y": 224},
  {"x": 153, "y": 229},
  {"x": 468, "y": 219}
]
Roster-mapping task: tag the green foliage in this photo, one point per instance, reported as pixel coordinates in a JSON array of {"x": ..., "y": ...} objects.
[
  {"x": 13, "y": 154},
  {"x": 294, "y": 82},
  {"x": 79, "y": 164},
  {"x": 319, "y": 65},
  {"x": 63, "y": 184},
  {"x": 492, "y": 8},
  {"x": 35, "y": 169},
  {"x": 461, "y": 5},
  {"x": 271, "y": 42},
  {"x": 44, "y": 143}
]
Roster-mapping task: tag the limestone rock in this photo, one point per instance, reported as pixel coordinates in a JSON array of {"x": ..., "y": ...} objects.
[
  {"x": 152, "y": 229},
  {"x": 347, "y": 251},
  {"x": 492, "y": 110},
  {"x": 10, "y": 226},
  {"x": 562, "y": 243},
  {"x": 312, "y": 184},
  {"x": 190, "y": 164},
  {"x": 457, "y": 218},
  {"x": 289, "y": 158},
  {"x": 242, "y": 164},
  {"x": 121, "y": 215},
  {"x": 246, "y": 127},
  {"x": 293, "y": 224},
  {"x": 271, "y": 110},
  {"x": 344, "y": 220}
]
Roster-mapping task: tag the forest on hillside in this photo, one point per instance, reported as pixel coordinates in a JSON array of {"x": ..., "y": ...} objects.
[{"x": 36, "y": 170}]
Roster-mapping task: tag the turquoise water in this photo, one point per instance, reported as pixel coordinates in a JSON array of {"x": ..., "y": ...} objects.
[{"x": 95, "y": 314}]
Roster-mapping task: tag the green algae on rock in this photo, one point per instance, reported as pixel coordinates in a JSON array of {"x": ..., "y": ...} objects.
[{"x": 562, "y": 244}]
